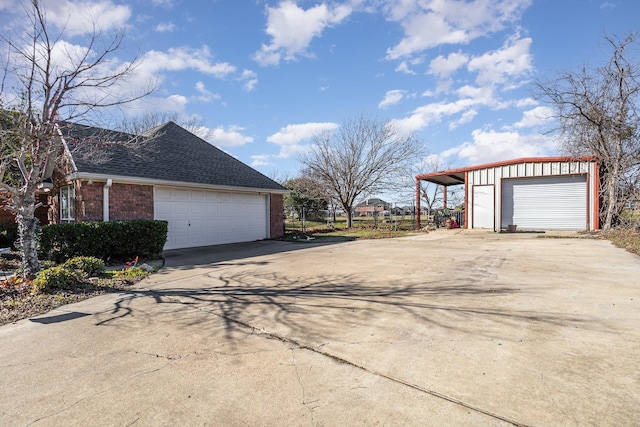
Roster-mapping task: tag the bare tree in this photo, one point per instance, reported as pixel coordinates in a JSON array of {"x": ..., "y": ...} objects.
[
  {"x": 597, "y": 111},
  {"x": 363, "y": 157},
  {"x": 52, "y": 82}
]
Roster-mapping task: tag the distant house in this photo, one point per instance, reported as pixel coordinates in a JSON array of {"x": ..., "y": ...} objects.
[
  {"x": 371, "y": 207},
  {"x": 403, "y": 210},
  {"x": 207, "y": 196}
]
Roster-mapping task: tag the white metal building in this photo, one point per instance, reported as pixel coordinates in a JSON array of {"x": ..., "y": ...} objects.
[{"x": 541, "y": 193}]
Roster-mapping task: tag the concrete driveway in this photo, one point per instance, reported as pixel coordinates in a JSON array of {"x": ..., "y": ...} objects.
[{"x": 449, "y": 328}]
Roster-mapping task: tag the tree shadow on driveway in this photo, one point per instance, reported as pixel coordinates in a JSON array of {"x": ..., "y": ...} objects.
[
  {"x": 320, "y": 307},
  {"x": 185, "y": 259}
]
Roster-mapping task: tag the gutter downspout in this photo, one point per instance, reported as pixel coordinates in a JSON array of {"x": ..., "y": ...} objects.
[{"x": 105, "y": 200}]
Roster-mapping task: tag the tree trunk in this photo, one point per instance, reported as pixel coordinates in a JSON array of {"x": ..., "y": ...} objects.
[
  {"x": 612, "y": 199},
  {"x": 27, "y": 236},
  {"x": 349, "y": 216}
]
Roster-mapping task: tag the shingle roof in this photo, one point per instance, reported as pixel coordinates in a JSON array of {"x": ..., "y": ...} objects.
[{"x": 167, "y": 153}]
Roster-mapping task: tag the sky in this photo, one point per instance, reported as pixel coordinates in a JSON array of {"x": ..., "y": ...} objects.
[{"x": 264, "y": 76}]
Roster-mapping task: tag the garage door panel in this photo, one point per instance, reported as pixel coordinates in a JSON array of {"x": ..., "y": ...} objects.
[
  {"x": 558, "y": 202},
  {"x": 201, "y": 218}
]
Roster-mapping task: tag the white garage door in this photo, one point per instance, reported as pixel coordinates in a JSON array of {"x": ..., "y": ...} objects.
[
  {"x": 547, "y": 203},
  {"x": 202, "y": 218}
]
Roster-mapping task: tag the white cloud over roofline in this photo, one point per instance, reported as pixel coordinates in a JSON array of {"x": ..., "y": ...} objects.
[
  {"x": 291, "y": 137},
  {"x": 294, "y": 134},
  {"x": 535, "y": 117},
  {"x": 491, "y": 146},
  {"x": 229, "y": 136},
  {"x": 260, "y": 160}
]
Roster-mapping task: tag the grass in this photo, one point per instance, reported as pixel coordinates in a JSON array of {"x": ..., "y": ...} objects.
[
  {"x": 625, "y": 239},
  {"x": 363, "y": 228}
]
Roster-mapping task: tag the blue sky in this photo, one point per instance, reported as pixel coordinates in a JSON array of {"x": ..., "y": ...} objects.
[{"x": 265, "y": 75}]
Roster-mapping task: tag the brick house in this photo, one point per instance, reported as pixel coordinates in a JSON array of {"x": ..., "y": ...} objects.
[
  {"x": 207, "y": 196},
  {"x": 371, "y": 207}
]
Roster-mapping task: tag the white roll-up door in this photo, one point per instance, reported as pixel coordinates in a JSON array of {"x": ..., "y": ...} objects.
[
  {"x": 201, "y": 217},
  {"x": 547, "y": 203}
]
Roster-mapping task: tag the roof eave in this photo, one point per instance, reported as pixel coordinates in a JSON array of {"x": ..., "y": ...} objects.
[
  {"x": 458, "y": 171},
  {"x": 147, "y": 181}
]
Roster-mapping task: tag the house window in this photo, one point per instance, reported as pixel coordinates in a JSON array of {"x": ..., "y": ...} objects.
[{"x": 67, "y": 204}]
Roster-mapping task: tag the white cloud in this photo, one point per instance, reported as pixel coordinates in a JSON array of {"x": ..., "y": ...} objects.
[
  {"x": 292, "y": 29},
  {"x": 260, "y": 160},
  {"x": 432, "y": 23},
  {"x": 403, "y": 67},
  {"x": 205, "y": 95},
  {"x": 289, "y": 138},
  {"x": 79, "y": 17},
  {"x": 294, "y": 134},
  {"x": 483, "y": 95},
  {"x": 465, "y": 118},
  {"x": 231, "y": 136},
  {"x": 443, "y": 67},
  {"x": 392, "y": 97},
  {"x": 250, "y": 79},
  {"x": 165, "y": 27},
  {"x": 431, "y": 113},
  {"x": 526, "y": 102},
  {"x": 183, "y": 58},
  {"x": 165, "y": 3},
  {"x": 464, "y": 108},
  {"x": 491, "y": 146},
  {"x": 535, "y": 117},
  {"x": 512, "y": 60},
  {"x": 168, "y": 104},
  {"x": 7, "y": 4}
]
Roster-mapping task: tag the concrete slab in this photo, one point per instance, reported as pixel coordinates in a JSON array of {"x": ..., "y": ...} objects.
[{"x": 448, "y": 328}]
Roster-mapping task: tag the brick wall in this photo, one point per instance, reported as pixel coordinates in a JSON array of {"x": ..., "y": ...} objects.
[
  {"x": 130, "y": 201},
  {"x": 89, "y": 201},
  {"x": 126, "y": 201},
  {"x": 277, "y": 216},
  {"x": 8, "y": 219}
]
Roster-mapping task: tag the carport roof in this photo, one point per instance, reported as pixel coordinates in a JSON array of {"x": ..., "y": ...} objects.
[{"x": 457, "y": 176}]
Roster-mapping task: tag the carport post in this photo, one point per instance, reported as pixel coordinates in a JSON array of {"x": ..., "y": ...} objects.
[
  {"x": 417, "y": 211},
  {"x": 444, "y": 196}
]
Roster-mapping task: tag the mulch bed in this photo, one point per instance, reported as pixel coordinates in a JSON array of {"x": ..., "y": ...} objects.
[{"x": 18, "y": 302}]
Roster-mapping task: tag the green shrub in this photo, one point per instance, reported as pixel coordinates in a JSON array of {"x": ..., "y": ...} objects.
[
  {"x": 131, "y": 274},
  {"x": 91, "y": 266},
  {"x": 54, "y": 278},
  {"x": 113, "y": 241}
]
